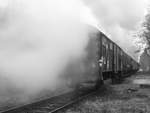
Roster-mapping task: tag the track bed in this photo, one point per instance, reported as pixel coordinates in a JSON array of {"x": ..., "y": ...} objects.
[{"x": 52, "y": 104}]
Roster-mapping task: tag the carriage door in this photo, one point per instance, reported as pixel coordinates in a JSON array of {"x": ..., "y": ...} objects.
[
  {"x": 115, "y": 59},
  {"x": 104, "y": 55}
]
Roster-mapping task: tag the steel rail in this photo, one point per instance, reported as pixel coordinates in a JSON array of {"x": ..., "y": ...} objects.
[
  {"x": 33, "y": 107},
  {"x": 71, "y": 102},
  {"x": 29, "y": 104}
]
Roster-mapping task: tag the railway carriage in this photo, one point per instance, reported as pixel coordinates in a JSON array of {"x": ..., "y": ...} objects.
[{"x": 104, "y": 60}]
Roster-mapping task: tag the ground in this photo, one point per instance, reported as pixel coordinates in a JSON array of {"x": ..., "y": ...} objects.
[{"x": 127, "y": 97}]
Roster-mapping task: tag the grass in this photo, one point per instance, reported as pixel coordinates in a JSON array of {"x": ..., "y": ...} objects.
[{"x": 122, "y": 98}]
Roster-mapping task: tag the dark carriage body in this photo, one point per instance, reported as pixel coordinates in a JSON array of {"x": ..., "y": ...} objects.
[{"x": 104, "y": 60}]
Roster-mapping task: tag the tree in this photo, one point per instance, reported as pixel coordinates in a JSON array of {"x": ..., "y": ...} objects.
[
  {"x": 146, "y": 29},
  {"x": 145, "y": 35}
]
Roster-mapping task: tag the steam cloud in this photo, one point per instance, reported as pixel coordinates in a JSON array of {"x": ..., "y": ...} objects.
[{"x": 37, "y": 40}]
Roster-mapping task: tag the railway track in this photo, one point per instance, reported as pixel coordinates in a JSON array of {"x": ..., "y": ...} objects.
[{"x": 54, "y": 104}]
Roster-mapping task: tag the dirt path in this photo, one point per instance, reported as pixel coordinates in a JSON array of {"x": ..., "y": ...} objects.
[{"x": 128, "y": 97}]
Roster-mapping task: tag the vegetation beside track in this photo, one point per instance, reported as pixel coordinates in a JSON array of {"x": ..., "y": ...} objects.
[{"x": 121, "y": 98}]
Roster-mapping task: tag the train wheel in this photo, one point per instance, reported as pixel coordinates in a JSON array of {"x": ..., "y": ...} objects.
[
  {"x": 99, "y": 83},
  {"x": 113, "y": 79},
  {"x": 116, "y": 78}
]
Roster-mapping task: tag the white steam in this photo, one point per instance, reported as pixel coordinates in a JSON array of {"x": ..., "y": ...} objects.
[{"x": 37, "y": 40}]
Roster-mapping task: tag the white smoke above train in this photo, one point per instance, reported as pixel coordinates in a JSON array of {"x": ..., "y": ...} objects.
[{"x": 120, "y": 20}]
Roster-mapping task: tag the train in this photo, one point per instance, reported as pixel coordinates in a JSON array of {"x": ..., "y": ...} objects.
[{"x": 104, "y": 60}]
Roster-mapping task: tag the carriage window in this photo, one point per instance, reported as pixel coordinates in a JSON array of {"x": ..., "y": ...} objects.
[
  {"x": 106, "y": 46},
  {"x": 104, "y": 40},
  {"x": 111, "y": 46},
  {"x": 121, "y": 53}
]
